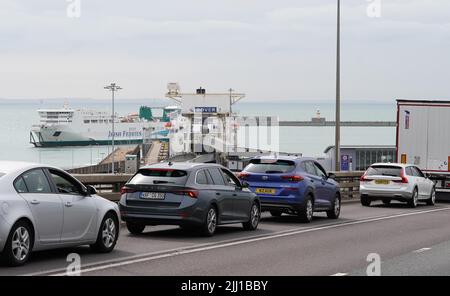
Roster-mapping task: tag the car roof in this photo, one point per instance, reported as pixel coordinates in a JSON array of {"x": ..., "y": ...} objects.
[
  {"x": 180, "y": 165},
  {"x": 295, "y": 158},
  {"x": 392, "y": 164},
  {"x": 14, "y": 166},
  {"x": 9, "y": 167}
]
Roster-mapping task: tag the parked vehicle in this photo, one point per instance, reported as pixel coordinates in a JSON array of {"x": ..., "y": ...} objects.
[
  {"x": 42, "y": 207},
  {"x": 199, "y": 196},
  {"x": 401, "y": 182},
  {"x": 423, "y": 138},
  {"x": 293, "y": 185}
]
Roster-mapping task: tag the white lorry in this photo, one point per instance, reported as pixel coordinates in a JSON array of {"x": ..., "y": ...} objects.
[{"x": 423, "y": 138}]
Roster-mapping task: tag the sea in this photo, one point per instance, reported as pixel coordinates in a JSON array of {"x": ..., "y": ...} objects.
[{"x": 17, "y": 116}]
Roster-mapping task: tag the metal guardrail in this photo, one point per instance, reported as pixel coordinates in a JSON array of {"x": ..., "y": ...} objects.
[
  {"x": 108, "y": 186},
  {"x": 349, "y": 183}
]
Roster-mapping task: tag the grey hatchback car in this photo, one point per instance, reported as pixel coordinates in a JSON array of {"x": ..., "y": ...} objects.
[{"x": 190, "y": 195}]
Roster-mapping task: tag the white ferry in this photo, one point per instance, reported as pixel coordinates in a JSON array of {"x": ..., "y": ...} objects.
[{"x": 70, "y": 127}]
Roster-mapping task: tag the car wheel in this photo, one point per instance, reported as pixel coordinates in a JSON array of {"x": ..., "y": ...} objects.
[
  {"x": 365, "y": 201},
  {"x": 135, "y": 228},
  {"x": 387, "y": 202},
  {"x": 255, "y": 216},
  {"x": 19, "y": 244},
  {"x": 414, "y": 199},
  {"x": 107, "y": 234},
  {"x": 276, "y": 213},
  {"x": 432, "y": 200},
  {"x": 306, "y": 212},
  {"x": 336, "y": 208},
  {"x": 210, "y": 224}
]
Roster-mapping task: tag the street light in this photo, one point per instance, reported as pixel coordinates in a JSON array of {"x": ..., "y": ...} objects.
[
  {"x": 337, "y": 142},
  {"x": 113, "y": 88}
]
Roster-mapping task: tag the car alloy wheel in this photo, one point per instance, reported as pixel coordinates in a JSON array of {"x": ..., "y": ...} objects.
[
  {"x": 255, "y": 216},
  {"x": 211, "y": 220},
  {"x": 20, "y": 244},
  {"x": 432, "y": 200},
  {"x": 337, "y": 207},
  {"x": 309, "y": 209},
  {"x": 415, "y": 199},
  {"x": 109, "y": 232}
]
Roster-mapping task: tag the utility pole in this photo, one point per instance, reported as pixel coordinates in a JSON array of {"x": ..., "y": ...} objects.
[
  {"x": 113, "y": 88},
  {"x": 231, "y": 98},
  {"x": 337, "y": 142}
]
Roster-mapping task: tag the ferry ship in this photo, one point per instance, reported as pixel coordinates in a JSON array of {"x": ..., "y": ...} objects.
[{"x": 70, "y": 127}]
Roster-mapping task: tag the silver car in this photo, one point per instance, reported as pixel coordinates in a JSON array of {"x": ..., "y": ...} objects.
[
  {"x": 401, "y": 182},
  {"x": 42, "y": 207}
]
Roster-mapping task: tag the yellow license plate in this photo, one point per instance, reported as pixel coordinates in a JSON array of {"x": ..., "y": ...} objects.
[
  {"x": 382, "y": 182},
  {"x": 266, "y": 191}
]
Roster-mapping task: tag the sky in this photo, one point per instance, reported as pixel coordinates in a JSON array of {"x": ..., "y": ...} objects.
[{"x": 270, "y": 50}]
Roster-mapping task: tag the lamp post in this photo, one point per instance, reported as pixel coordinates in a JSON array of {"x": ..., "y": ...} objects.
[
  {"x": 113, "y": 88},
  {"x": 337, "y": 143}
]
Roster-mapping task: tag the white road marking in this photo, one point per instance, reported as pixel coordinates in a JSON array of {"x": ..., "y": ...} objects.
[
  {"x": 339, "y": 274},
  {"x": 212, "y": 246},
  {"x": 421, "y": 250}
]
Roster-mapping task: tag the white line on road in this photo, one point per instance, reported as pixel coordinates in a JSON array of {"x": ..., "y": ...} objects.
[
  {"x": 339, "y": 274},
  {"x": 195, "y": 249},
  {"x": 421, "y": 250}
]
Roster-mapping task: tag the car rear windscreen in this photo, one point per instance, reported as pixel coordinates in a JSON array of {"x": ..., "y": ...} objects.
[
  {"x": 384, "y": 171},
  {"x": 159, "y": 176},
  {"x": 270, "y": 166}
]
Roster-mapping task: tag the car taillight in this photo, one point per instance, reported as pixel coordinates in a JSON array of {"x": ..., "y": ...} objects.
[
  {"x": 294, "y": 178},
  {"x": 243, "y": 176},
  {"x": 404, "y": 180},
  {"x": 190, "y": 193},
  {"x": 363, "y": 178},
  {"x": 125, "y": 189}
]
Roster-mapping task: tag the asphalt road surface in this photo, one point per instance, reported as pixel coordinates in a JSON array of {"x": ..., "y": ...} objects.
[{"x": 408, "y": 241}]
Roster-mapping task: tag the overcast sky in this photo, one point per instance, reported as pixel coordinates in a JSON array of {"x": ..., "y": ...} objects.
[{"x": 283, "y": 49}]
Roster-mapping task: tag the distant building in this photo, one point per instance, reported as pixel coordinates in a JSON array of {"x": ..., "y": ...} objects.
[
  {"x": 318, "y": 118},
  {"x": 359, "y": 158}
]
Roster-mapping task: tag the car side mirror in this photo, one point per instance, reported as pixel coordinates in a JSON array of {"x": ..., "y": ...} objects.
[
  {"x": 331, "y": 176},
  {"x": 244, "y": 185},
  {"x": 91, "y": 190}
]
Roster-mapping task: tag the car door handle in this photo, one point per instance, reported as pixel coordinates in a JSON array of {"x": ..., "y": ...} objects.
[
  {"x": 69, "y": 204},
  {"x": 217, "y": 193},
  {"x": 312, "y": 181},
  {"x": 35, "y": 202},
  {"x": 234, "y": 194}
]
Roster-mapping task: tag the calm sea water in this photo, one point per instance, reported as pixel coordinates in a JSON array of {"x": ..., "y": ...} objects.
[{"x": 17, "y": 117}]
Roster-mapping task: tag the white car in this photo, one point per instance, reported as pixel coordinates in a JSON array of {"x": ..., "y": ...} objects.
[
  {"x": 42, "y": 207},
  {"x": 401, "y": 182}
]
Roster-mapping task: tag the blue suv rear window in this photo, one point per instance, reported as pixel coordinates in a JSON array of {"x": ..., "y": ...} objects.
[{"x": 270, "y": 166}]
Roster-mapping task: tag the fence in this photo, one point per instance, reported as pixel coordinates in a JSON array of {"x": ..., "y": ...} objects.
[{"x": 109, "y": 185}]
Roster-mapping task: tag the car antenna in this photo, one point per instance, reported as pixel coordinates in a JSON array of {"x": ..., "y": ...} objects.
[{"x": 170, "y": 163}]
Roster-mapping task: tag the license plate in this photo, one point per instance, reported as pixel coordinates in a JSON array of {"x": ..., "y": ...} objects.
[
  {"x": 266, "y": 191},
  {"x": 382, "y": 182},
  {"x": 153, "y": 195}
]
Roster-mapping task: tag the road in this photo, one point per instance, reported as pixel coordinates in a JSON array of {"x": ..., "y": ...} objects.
[{"x": 409, "y": 242}]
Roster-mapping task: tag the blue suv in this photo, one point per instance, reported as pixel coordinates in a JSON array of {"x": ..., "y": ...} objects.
[{"x": 293, "y": 185}]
